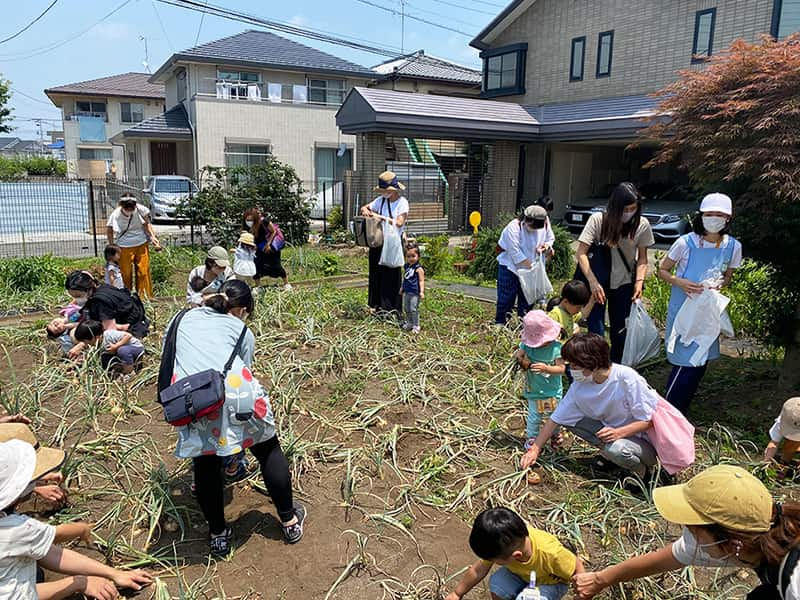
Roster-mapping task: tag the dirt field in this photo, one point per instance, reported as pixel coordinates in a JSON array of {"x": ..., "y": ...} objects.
[{"x": 395, "y": 443}]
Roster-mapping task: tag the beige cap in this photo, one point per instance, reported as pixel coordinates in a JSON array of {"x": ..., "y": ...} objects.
[
  {"x": 219, "y": 255},
  {"x": 723, "y": 495},
  {"x": 790, "y": 419}
]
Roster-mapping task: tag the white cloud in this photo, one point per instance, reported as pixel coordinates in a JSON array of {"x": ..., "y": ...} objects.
[{"x": 112, "y": 32}]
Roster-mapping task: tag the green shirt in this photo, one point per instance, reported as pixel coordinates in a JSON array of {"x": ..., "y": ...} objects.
[{"x": 541, "y": 385}]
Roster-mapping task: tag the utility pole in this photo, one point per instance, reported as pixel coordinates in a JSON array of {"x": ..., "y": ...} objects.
[
  {"x": 38, "y": 123},
  {"x": 402, "y": 26}
]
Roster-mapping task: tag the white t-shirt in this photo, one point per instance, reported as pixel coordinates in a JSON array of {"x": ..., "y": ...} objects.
[
  {"x": 196, "y": 298},
  {"x": 23, "y": 541},
  {"x": 520, "y": 244},
  {"x": 621, "y": 399},
  {"x": 129, "y": 231},
  {"x": 112, "y": 336},
  {"x": 679, "y": 252},
  {"x": 381, "y": 206}
]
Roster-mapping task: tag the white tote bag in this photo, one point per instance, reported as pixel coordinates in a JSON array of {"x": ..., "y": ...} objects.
[
  {"x": 392, "y": 253},
  {"x": 642, "y": 340},
  {"x": 534, "y": 281}
]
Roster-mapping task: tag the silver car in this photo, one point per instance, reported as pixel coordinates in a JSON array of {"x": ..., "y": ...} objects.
[{"x": 166, "y": 193}]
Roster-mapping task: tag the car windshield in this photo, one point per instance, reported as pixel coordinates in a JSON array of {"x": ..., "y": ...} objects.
[{"x": 172, "y": 186}]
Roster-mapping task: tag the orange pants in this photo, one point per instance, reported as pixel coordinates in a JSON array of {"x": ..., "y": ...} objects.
[{"x": 137, "y": 257}]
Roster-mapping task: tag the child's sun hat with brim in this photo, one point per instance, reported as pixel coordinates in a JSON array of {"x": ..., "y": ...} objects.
[
  {"x": 539, "y": 329},
  {"x": 790, "y": 419},
  {"x": 20, "y": 465},
  {"x": 47, "y": 459},
  {"x": 247, "y": 239}
]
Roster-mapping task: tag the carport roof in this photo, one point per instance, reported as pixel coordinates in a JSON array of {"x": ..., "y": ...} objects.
[
  {"x": 172, "y": 124},
  {"x": 370, "y": 109}
]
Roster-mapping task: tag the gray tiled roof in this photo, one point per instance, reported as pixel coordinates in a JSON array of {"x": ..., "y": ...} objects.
[
  {"x": 602, "y": 108},
  {"x": 173, "y": 123},
  {"x": 267, "y": 50},
  {"x": 135, "y": 85},
  {"x": 8, "y": 141},
  {"x": 422, "y": 66}
]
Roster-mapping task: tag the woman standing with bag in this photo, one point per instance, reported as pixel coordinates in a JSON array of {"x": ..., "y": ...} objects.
[
  {"x": 710, "y": 255},
  {"x": 523, "y": 241},
  {"x": 612, "y": 260},
  {"x": 129, "y": 227},
  {"x": 205, "y": 338},
  {"x": 269, "y": 243},
  {"x": 392, "y": 208}
]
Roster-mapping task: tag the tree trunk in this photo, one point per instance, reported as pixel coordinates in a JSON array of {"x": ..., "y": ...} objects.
[{"x": 790, "y": 373}]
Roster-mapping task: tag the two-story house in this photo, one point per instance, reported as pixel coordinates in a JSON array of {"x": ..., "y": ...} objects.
[
  {"x": 233, "y": 101},
  {"x": 95, "y": 111},
  {"x": 565, "y": 87}
]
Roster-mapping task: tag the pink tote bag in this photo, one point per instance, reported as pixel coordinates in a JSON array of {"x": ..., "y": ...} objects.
[{"x": 672, "y": 437}]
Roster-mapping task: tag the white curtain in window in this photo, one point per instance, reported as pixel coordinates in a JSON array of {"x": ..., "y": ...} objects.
[
  {"x": 299, "y": 94},
  {"x": 253, "y": 92},
  {"x": 274, "y": 92},
  {"x": 223, "y": 91}
]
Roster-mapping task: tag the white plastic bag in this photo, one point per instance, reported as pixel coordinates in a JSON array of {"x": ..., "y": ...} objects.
[
  {"x": 392, "y": 254},
  {"x": 700, "y": 319},
  {"x": 534, "y": 281},
  {"x": 642, "y": 340}
]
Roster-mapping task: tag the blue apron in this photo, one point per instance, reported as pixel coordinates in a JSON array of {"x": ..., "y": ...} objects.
[{"x": 702, "y": 261}]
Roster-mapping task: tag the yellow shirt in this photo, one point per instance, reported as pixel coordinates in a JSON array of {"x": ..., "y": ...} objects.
[
  {"x": 566, "y": 320},
  {"x": 552, "y": 562}
]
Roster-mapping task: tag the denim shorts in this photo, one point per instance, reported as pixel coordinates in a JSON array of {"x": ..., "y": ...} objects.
[{"x": 504, "y": 584}]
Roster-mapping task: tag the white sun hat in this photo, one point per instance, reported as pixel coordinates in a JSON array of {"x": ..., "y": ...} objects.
[{"x": 17, "y": 464}]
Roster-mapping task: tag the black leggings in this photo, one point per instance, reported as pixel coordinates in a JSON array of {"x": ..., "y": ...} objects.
[{"x": 209, "y": 482}]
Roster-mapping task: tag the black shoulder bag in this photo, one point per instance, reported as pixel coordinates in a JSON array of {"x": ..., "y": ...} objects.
[{"x": 196, "y": 395}]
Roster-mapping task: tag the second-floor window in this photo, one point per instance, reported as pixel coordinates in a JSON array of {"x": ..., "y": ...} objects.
[
  {"x": 605, "y": 48},
  {"x": 95, "y": 109},
  {"x": 577, "y": 55},
  {"x": 237, "y": 83},
  {"x": 132, "y": 112},
  {"x": 785, "y": 17},
  {"x": 245, "y": 155},
  {"x": 504, "y": 70},
  {"x": 326, "y": 91},
  {"x": 94, "y": 154},
  {"x": 704, "y": 22}
]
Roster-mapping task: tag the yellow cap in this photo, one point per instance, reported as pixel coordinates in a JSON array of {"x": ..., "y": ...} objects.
[{"x": 722, "y": 495}]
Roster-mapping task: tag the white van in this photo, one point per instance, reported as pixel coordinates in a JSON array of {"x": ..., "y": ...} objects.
[{"x": 166, "y": 193}]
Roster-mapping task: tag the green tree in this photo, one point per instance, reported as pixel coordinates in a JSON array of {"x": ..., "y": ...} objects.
[
  {"x": 5, "y": 111},
  {"x": 735, "y": 126}
]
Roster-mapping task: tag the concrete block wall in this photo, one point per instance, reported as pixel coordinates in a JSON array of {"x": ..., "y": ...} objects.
[{"x": 652, "y": 43}]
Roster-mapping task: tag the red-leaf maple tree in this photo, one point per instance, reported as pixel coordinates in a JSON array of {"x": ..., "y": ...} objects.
[{"x": 735, "y": 126}]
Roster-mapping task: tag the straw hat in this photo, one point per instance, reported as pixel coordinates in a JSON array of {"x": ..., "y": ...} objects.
[
  {"x": 247, "y": 239},
  {"x": 22, "y": 461},
  {"x": 387, "y": 182},
  {"x": 47, "y": 459},
  {"x": 539, "y": 329},
  {"x": 790, "y": 419}
]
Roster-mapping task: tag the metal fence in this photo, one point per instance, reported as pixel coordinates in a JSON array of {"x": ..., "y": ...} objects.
[{"x": 67, "y": 217}]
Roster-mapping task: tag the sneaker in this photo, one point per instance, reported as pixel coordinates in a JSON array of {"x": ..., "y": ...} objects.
[
  {"x": 220, "y": 545},
  {"x": 293, "y": 533},
  {"x": 240, "y": 473},
  {"x": 287, "y": 287},
  {"x": 415, "y": 330}
]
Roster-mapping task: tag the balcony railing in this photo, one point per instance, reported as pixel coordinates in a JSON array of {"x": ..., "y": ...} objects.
[
  {"x": 276, "y": 93},
  {"x": 74, "y": 116}
]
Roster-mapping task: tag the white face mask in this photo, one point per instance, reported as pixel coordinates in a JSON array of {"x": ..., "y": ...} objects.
[
  {"x": 578, "y": 375},
  {"x": 714, "y": 224},
  {"x": 81, "y": 300},
  {"x": 249, "y": 224},
  {"x": 627, "y": 216}
]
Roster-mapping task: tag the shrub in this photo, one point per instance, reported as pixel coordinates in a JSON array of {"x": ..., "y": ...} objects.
[
  {"x": 436, "y": 258},
  {"x": 335, "y": 219},
  {"x": 19, "y": 167},
  {"x": 30, "y": 273},
  {"x": 562, "y": 265},
  {"x": 330, "y": 264}
]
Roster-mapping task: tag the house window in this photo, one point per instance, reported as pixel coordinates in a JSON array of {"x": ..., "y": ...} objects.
[
  {"x": 180, "y": 77},
  {"x": 132, "y": 112},
  {"x": 326, "y": 91},
  {"x": 330, "y": 165},
  {"x": 605, "y": 48},
  {"x": 702, "y": 46},
  {"x": 246, "y": 155},
  {"x": 504, "y": 70},
  {"x": 577, "y": 55},
  {"x": 785, "y": 17},
  {"x": 94, "y": 109},
  {"x": 236, "y": 83},
  {"x": 94, "y": 154}
]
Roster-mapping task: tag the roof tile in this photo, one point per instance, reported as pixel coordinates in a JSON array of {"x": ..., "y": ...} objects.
[{"x": 134, "y": 85}]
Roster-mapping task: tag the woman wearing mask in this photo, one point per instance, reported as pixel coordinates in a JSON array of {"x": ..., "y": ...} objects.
[
  {"x": 610, "y": 406},
  {"x": 523, "y": 241},
  {"x": 268, "y": 252},
  {"x": 729, "y": 520},
  {"x": 206, "y": 337},
  {"x": 617, "y": 241},
  {"x": 207, "y": 278},
  {"x": 129, "y": 227},
  {"x": 383, "y": 292},
  {"x": 707, "y": 254}
]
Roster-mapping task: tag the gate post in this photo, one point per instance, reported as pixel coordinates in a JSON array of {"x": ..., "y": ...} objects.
[{"x": 92, "y": 208}]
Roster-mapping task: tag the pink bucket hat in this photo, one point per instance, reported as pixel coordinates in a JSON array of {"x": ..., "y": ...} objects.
[{"x": 539, "y": 329}]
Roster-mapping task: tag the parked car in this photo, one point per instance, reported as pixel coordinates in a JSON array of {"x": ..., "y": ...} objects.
[
  {"x": 669, "y": 213},
  {"x": 165, "y": 193}
]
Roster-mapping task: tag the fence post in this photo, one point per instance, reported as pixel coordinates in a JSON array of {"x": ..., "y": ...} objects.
[
  {"x": 324, "y": 209},
  {"x": 92, "y": 208},
  {"x": 191, "y": 216}
]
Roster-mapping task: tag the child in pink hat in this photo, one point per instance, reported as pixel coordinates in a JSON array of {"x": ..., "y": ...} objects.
[{"x": 539, "y": 355}]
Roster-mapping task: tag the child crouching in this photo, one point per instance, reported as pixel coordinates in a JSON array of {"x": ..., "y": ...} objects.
[
  {"x": 500, "y": 536},
  {"x": 120, "y": 344},
  {"x": 785, "y": 434}
]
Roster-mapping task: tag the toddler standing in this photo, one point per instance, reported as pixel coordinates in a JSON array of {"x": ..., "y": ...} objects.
[
  {"x": 539, "y": 355},
  {"x": 244, "y": 257},
  {"x": 413, "y": 289},
  {"x": 113, "y": 276}
]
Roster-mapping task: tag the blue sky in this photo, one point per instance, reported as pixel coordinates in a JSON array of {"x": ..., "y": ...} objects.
[{"x": 32, "y": 63}]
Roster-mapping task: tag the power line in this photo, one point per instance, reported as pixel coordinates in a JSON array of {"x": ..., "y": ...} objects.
[
  {"x": 200, "y": 27},
  {"x": 415, "y": 18},
  {"x": 430, "y": 12},
  {"x": 29, "y": 25},
  {"x": 16, "y": 91},
  {"x": 485, "y": 3},
  {"x": 50, "y": 47},
  {"x": 163, "y": 29},
  {"x": 483, "y": 12}
]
